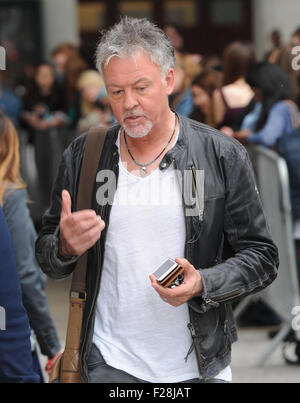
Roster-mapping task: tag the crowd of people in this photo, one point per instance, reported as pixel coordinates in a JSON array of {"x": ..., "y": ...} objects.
[
  {"x": 256, "y": 102},
  {"x": 53, "y": 103},
  {"x": 63, "y": 98}
]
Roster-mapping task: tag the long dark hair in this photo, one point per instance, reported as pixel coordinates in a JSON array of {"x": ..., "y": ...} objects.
[
  {"x": 274, "y": 85},
  {"x": 237, "y": 58},
  {"x": 56, "y": 99}
]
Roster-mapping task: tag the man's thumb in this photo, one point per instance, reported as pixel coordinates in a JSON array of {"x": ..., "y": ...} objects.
[{"x": 66, "y": 204}]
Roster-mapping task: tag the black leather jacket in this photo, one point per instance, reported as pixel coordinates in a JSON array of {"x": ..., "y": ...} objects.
[{"x": 227, "y": 238}]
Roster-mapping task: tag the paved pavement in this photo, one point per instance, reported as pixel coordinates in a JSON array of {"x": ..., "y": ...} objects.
[{"x": 252, "y": 344}]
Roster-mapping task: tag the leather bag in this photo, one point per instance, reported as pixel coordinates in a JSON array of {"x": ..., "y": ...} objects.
[{"x": 67, "y": 368}]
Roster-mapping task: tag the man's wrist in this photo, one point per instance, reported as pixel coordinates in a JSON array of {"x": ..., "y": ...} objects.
[
  {"x": 62, "y": 252},
  {"x": 63, "y": 255},
  {"x": 199, "y": 286}
]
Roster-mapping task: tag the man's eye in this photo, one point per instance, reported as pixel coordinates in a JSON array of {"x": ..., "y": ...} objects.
[
  {"x": 142, "y": 89},
  {"x": 116, "y": 93}
]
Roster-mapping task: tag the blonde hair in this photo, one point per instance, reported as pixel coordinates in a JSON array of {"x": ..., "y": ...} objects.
[
  {"x": 10, "y": 178},
  {"x": 88, "y": 78}
]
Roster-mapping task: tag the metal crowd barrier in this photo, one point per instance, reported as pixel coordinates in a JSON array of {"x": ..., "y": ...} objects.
[{"x": 284, "y": 294}]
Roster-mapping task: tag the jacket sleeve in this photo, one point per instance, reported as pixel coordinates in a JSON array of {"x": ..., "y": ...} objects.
[
  {"x": 254, "y": 263},
  {"x": 46, "y": 247},
  {"x": 15, "y": 352},
  {"x": 31, "y": 277}
]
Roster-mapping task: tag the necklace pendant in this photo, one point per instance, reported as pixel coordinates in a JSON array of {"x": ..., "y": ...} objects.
[{"x": 143, "y": 172}]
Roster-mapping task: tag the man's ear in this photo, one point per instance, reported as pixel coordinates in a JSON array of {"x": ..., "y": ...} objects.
[{"x": 170, "y": 81}]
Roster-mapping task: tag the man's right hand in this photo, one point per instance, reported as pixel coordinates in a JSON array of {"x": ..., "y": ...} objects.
[{"x": 79, "y": 231}]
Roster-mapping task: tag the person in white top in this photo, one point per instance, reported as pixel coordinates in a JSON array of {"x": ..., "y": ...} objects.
[{"x": 176, "y": 195}]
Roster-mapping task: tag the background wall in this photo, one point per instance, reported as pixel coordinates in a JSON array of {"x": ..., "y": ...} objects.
[
  {"x": 59, "y": 23},
  {"x": 270, "y": 14}
]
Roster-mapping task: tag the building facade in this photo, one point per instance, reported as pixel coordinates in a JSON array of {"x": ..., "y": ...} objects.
[{"x": 207, "y": 25}]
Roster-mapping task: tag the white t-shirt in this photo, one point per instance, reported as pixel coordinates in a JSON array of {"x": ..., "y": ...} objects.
[{"x": 135, "y": 330}]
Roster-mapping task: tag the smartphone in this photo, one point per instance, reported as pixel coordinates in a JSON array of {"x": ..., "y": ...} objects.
[{"x": 168, "y": 272}]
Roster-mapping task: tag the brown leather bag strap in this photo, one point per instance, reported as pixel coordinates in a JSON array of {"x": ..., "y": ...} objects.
[
  {"x": 70, "y": 368},
  {"x": 92, "y": 154}
]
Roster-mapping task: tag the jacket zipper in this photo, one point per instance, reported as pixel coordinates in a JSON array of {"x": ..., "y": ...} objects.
[
  {"x": 225, "y": 326},
  {"x": 199, "y": 197},
  {"x": 215, "y": 301},
  {"x": 199, "y": 359},
  {"x": 190, "y": 325},
  {"x": 185, "y": 223}
]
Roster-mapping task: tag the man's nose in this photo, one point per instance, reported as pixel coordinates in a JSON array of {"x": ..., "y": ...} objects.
[{"x": 130, "y": 100}]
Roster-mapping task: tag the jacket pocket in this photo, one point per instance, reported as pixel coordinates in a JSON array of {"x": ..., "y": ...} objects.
[{"x": 212, "y": 337}]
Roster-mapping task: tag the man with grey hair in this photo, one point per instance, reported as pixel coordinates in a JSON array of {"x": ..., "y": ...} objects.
[{"x": 182, "y": 191}]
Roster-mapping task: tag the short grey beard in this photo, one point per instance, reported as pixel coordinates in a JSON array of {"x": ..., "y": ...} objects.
[{"x": 142, "y": 133}]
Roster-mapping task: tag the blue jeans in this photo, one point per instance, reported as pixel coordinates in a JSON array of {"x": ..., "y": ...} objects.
[{"x": 100, "y": 372}]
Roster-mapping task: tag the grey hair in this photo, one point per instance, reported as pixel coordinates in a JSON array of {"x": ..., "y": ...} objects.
[{"x": 130, "y": 35}]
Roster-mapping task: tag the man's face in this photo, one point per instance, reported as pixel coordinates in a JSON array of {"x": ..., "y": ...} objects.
[{"x": 137, "y": 92}]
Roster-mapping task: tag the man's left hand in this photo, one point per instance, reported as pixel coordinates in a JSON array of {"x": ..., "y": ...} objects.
[{"x": 190, "y": 288}]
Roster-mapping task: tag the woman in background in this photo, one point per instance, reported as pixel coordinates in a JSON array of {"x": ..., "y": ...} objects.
[
  {"x": 13, "y": 199},
  {"x": 276, "y": 113},
  {"x": 181, "y": 100},
  {"x": 203, "y": 87},
  {"x": 274, "y": 116},
  {"x": 230, "y": 101},
  {"x": 15, "y": 354},
  {"x": 94, "y": 104},
  {"x": 44, "y": 115},
  {"x": 44, "y": 102}
]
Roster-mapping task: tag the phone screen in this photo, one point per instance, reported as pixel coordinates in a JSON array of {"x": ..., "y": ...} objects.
[{"x": 165, "y": 269}]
